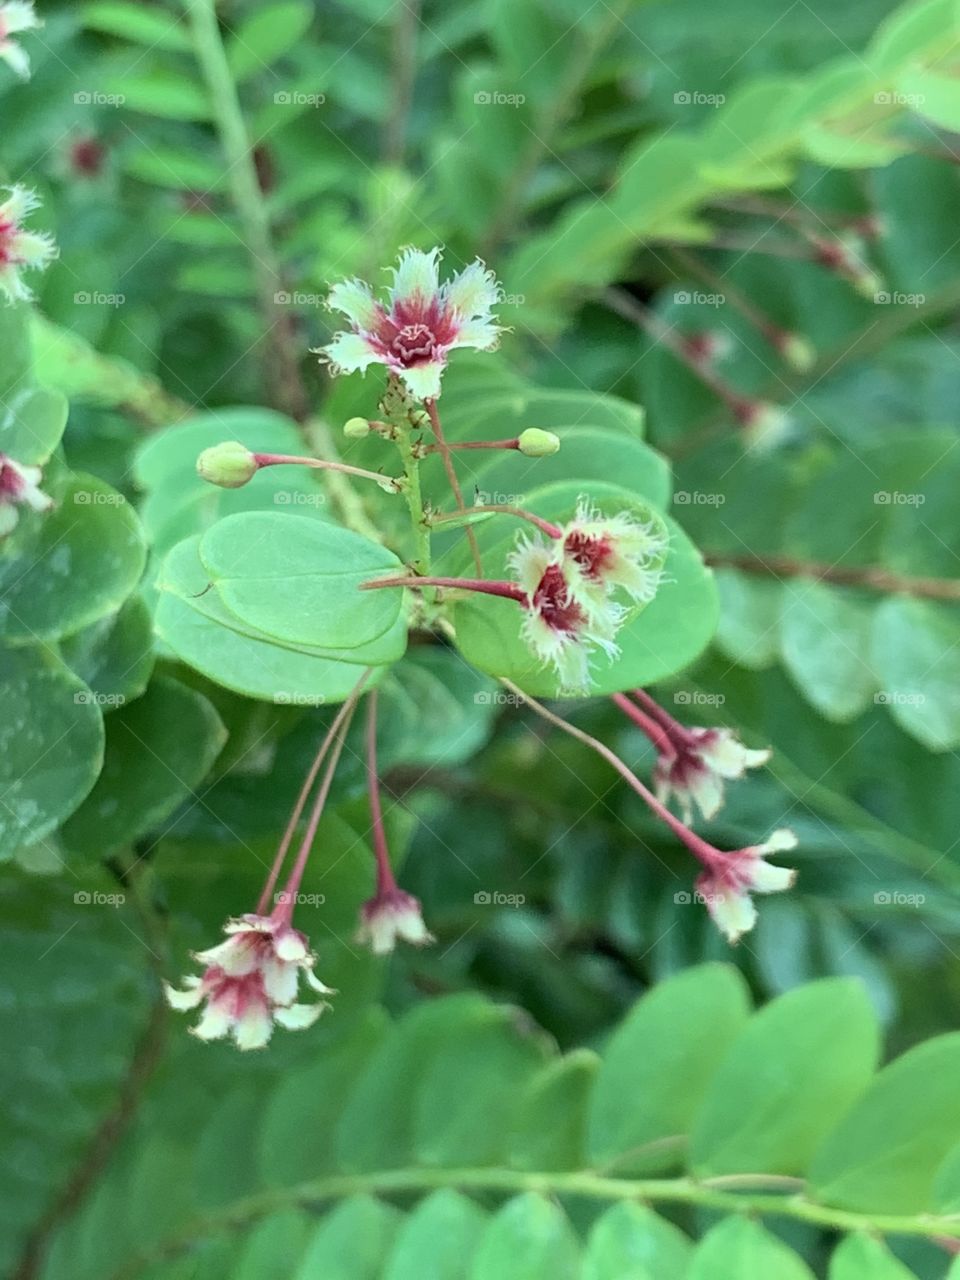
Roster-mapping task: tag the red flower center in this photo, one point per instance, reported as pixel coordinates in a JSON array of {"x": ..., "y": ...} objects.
[
  {"x": 553, "y": 602},
  {"x": 593, "y": 555},
  {"x": 11, "y": 482},
  {"x": 414, "y": 343}
]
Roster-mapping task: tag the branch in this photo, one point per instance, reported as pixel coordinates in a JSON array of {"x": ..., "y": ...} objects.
[{"x": 871, "y": 577}]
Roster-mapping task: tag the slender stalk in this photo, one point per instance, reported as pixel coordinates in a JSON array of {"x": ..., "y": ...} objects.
[
  {"x": 413, "y": 493},
  {"x": 444, "y": 450},
  {"x": 305, "y": 790},
  {"x": 404, "y": 73},
  {"x": 701, "y": 850},
  {"x": 873, "y": 578},
  {"x": 324, "y": 464},
  {"x": 292, "y": 886},
  {"x": 594, "y": 1186},
  {"x": 486, "y": 586},
  {"x": 657, "y": 735},
  {"x": 512, "y": 443},
  {"x": 545, "y": 526},
  {"x": 282, "y": 372}
]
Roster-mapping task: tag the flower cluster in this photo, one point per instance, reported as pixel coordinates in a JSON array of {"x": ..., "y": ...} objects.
[
  {"x": 20, "y": 249},
  {"x": 16, "y": 16},
  {"x": 420, "y": 324},
  {"x": 695, "y": 765},
  {"x": 251, "y": 982},
  {"x": 570, "y": 580},
  {"x": 19, "y": 487}
]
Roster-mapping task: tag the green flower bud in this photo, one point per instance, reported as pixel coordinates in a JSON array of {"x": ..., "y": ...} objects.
[
  {"x": 534, "y": 443},
  {"x": 356, "y": 428},
  {"x": 798, "y": 352},
  {"x": 229, "y": 465}
]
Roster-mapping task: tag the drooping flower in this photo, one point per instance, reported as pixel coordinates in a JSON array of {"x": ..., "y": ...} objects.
[
  {"x": 251, "y": 982},
  {"x": 607, "y": 552},
  {"x": 421, "y": 322},
  {"x": 558, "y": 627},
  {"x": 19, "y": 487},
  {"x": 16, "y": 16},
  {"x": 727, "y": 883},
  {"x": 695, "y": 764},
  {"x": 19, "y": 248},
  {"x": 390, "y": 916}
]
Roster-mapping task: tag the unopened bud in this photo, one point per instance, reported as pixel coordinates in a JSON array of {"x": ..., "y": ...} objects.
[
  {"x": 534, "y": 443},
  {"x": 798, "y": 352},
  {"x": 229, "y": 465},
  {"x": 356, "y": 428}
]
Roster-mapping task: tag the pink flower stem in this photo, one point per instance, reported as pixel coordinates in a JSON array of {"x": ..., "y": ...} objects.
[
  {"x": 545, "y": 526},
  {"x": 704, "y": 852},
  {"x": 477, "y": 444},
  {"x": 655, "y": 732},
  {"x": 450, "y": 469},
  {"x": 288, "y": 896},
  {"x": 276, "y": 459},
  {"x": 487, "y": 586},
  {"x": 385, "y": 879},
  {"x": 305, "y": 791}
]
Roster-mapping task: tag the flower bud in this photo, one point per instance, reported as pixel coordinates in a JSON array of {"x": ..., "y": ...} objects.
[
  {"x": 356, "y": 428},
  {"x": 229, "y": 465},
  {"x": 798, "y": 351},
  {"x": 534, "y": 443}
]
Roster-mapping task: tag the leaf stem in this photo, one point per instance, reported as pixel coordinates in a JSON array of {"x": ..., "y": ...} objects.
[
  {"x": 586, "y": 1183},
  {"x": 281, "y": 369}
]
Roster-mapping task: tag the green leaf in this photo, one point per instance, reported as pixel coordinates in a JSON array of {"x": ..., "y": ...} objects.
[
  {"x": 550, "y": 1122},
  {"x": 165, "y": 93},
  {"x": 749, "y": 627},
  {"x": 917, "y": 659},
  {"x": 529, "y": 1238},
  {"x": 438, "y": 1241},
  {"x": 630, "y": 1242},
  {"x": 350, "y": 1242},
  {"x": 114, "y": 656},
  {"x": 52, "y": 742},
  {"x": 75, "y": 1005},
  {"x": 862, "y": 1257},
  {"x": 790, "y": 1075},
  {"x": 883, "y": 1156},
  {"x": 159, "y": 748},
  {"x": 738, "y": 1249},
  {"x": 665, "y": 1053},
  {"x": 299, "y": 580},
  {"x": 266, "y": 35},
  {"x": 32, "y": 424},
  {"x": 65, "y": 569},
  {"x": 825, "y": 636},
  {"x": 274, "y": 1247},
  {"x": 150, "y": 27}
]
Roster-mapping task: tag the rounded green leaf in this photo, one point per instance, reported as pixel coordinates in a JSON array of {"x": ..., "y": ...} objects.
[
  {"x": 115, "y": 655},
  {"x": 299, "y": 580},
  {"x": 740, "y": 1249},
  {"x": 64, "y": 570},
  {"x": 159, "y": 748},
  {"x": 863, "y": 1257},
  {"x": 439, "y": 1239},
  {"x": 32, "y": 423},
  {"x": 884, "y": 1155},
  {"x": 52, "y": 745},
  {"x": 631, "y": 1242},
  {"x": 528, "y": 1239},
  {"x": 662, "y": 1058},
  {"x": 790, "y": 1075}
]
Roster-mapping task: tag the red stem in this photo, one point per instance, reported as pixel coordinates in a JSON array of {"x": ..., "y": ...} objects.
[
  {"x": 487, "y": 586},
  {"x": 657, "y": 735},
  {"x": 304, "y": 792},
  {"x": 545, "y": 526},
  {"x": 285, "y": 909},
  {"x": 477, "y": 444}
]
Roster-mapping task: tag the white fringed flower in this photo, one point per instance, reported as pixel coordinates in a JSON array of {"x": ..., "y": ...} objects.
[
  {"x": 251, "y": 982},
  {"x": 389, "y": 917},
  {"x": 19, "y": 487},
  {"x": 421, "y": 322},
  {"x": 697, "y": 766},
  {"x": 20, "y": 249},
  {"x": 16, "y": 16},
  {"x": 727, "y": 886},
  {"x": 605, "y": 553}
]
